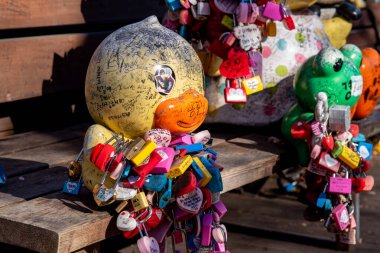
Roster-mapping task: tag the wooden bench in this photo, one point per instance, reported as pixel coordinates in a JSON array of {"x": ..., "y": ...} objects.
[{"x": 45, "y": 48}]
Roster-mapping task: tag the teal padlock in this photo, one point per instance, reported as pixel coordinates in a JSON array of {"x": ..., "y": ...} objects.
[{"x": 155, "y": 183}]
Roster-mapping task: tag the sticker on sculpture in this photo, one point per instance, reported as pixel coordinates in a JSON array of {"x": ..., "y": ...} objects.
[{"x": 164, "y": 79}]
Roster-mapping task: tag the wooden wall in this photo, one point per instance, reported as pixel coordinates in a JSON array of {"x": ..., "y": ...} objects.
[{"x": 45, "y": 47}]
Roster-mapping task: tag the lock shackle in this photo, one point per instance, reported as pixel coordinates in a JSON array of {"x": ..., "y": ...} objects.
[
  {"x": 107, "y": 169},
  {"x": 150, "y": 212},
  {"x": 199, "y": 225},
  {"x": 114, "y": 137},
  {"x": 79, "y": 155}
]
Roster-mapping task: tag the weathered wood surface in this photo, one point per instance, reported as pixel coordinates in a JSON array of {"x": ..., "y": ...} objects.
[
  {"x": 38, "y": 13},
  {"x": 370, "y": 126},
  {"x": 64, "y": 221},
  {"x": 36, "y": 66}
]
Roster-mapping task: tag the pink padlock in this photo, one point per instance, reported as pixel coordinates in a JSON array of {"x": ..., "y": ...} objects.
[
  {"x": 181, "y": 140},
  {"x": 167, "y": 155},
  {"x": 184, "y": 17},
  {"x": 328, "y": 162},
  {"x": 272, "y": 10},
  {"x": 340, "y": 185},
  {"x": 314, "y": 168},
  {"x": 369, "y": 182},
  {"x": 341, "y": 216},
  {"x": 315, "y": 152}
]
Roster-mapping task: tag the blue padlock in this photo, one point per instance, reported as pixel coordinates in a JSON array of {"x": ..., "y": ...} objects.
[
  {"x": 72, "y": 187},
  {"x": 216, "y": 183},
  {"x": 213, "y": 152},
  {"x": 359, "y": 138},
  {"x": 3, "y": 177},
  {"x": 155, "y": 183},
  {"x": 174, "y": 5},
  {"x": 166, "y": 195},
  {"x": 192, "y": 148},
  {"x": 197, "y": 171},
  {"x": 327, "y": 207},
  {"x": 126, "y": 171},
  {"x": 185, "y": 32},
  {"x": 365, "y": 150},
  {"x": 206, "y": 162}
]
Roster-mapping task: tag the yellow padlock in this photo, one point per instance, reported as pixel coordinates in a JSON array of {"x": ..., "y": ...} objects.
[
  {"x": 179, "y": 166},
  {"x": 252, "y": 85},
  {"x": 144, "y": 152},
  {"x": 228, "y": 22},
  {"x": 206, "y": 174},
  {"x": 139, "y": 201},
  {"x": 349, "y": 157}
]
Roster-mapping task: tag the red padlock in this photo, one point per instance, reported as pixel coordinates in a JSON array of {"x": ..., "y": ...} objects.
[
  {"x": 301, "y": 130},
  {"x": 184, "y": 17},
  {"x": 354, "y": 130},
  {"x": 101, "y": 155},
  {"x": 358, "y": 184},
  {"x": 144, "y": 169},
  {"x": 186, "y": 183},
  {"x": 234, "y": 93},
  {"x": 206, "y": 198},
  {"x": 289, "y": 22}
]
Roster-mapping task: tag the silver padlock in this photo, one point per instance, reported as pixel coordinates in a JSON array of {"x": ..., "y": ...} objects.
[
  {"x": 203, "y": 8},
  {"x": 339, "y": 118}
]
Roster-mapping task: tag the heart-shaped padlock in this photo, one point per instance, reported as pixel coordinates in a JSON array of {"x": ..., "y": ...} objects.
[
  {"x": 191, "y": 202},
  {"x": 126, "y": 222}
]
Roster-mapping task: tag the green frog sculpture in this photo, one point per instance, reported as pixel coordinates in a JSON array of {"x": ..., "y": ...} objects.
[{"x": 334, "y": 75}]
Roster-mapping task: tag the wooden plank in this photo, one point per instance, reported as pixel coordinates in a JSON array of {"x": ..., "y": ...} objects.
[
  {"x": 36, "y": 13},
  {"x": 33, "y": 139},
  {"x": 370, "y": 126},
  {"x": 32, "y": 185},
  {"x": 46, "y": 156},
  {"x": 37, "y": 66},
  {"x": 363, "y": 37},
  {"x": 67, "y": 223},
  {"x": 5, "y": 124},
  {"x": 245, "y": 160}
]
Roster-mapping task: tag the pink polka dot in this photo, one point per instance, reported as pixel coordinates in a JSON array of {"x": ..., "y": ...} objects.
[
  {"x": 266, "y": 51},
  {"x": 300, "y": 58}
]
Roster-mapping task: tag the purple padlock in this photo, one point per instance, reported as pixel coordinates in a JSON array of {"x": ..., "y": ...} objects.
[
  {"x": 206, "y": 229},
  {"x": 219, "y": 208}
]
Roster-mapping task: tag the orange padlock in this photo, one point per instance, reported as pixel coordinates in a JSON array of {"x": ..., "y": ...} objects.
[{"x": 370, "y": 70}]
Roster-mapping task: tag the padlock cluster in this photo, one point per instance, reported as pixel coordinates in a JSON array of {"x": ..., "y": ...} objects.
[
  {"x": 166, "y": 187},
  {"x": 339, "y": 162},
  {"x": 232, "y": 31}
]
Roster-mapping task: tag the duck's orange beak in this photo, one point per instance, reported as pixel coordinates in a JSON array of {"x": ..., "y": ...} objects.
[{"x": 182, "y": 114}]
